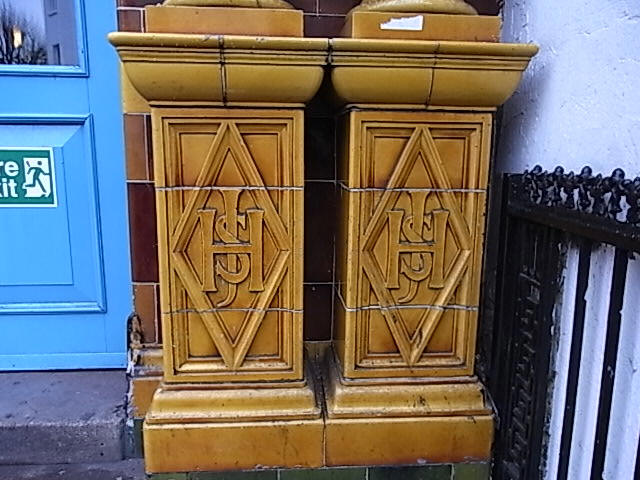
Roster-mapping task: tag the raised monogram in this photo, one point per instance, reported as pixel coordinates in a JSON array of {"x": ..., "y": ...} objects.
[
  {"x": 416, "y": 245},
  {"x": 416, "y": 249},
  {"x": 224, "y": 254}
]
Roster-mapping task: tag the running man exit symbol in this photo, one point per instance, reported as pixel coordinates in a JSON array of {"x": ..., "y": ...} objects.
[
  {"x": 27, "y": 177},
  {"x": 38, "y": 175}
]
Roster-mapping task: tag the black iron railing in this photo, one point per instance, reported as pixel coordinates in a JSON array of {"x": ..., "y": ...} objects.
[{"x": 543, "y": 215}]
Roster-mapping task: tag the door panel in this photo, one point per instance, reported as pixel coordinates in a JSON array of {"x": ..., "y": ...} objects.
[
  {"x": 65, "y": 287},
  {"x": 71, "y": 279}
]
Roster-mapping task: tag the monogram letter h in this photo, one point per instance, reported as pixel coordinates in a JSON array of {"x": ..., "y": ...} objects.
[
  {"x": 411, "y": 226},
  {"x": 247, "y": 254}
]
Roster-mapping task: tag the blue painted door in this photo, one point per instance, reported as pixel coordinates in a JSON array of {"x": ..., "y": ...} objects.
[{"x": 65, "y": 287}]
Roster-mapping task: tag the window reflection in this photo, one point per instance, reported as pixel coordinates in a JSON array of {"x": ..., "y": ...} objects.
[{"x": 38, "y": 32}]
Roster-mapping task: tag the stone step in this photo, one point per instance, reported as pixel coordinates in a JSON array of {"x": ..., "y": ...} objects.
[
  {"x": 62, "y": 417},
  {"x": 132, "y": 469}
]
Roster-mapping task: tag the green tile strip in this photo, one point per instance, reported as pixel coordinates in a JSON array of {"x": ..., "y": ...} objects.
[
  {"x": 253, "y": 475},
  {"x": 168, "y": 476},
  {"x": 471, "y": 471},
  {"x": 427, "y": 472},
  {"x": 324, "y": 474},
  {"x": 458, "y": 471}
]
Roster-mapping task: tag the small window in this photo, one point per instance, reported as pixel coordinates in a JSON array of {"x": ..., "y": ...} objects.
[
  {"x": 52, "y": 7},
  {"x": 55, "y": 54},
  {"x": 40, "y": 32}
]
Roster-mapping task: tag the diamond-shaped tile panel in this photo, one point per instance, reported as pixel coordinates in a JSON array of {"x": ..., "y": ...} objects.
[
  {"x": 413, "y": 201},
  {"x": 230, "y": 248},
  {"x": 418, "y": 236}
]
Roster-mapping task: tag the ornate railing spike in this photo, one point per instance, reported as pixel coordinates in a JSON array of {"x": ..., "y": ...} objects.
[{"x": 614, "y": 197}]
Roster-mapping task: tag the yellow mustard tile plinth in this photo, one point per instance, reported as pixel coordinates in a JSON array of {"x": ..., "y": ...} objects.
[
  {"x": 142, "y": 390},
  {"x": 225, "y": 21},
  {"x": 199, "y": 427},
  {"x": 406, "y": 441},
  {"x": 233, "y": 446},
  {"x": 387, "y": 421},
  {"x": 422, "y": 26},
  {"x": 400, "y": 397},
  {"x": 145, "y": 380}
]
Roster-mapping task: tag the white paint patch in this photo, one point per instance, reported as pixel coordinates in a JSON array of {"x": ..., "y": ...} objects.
[
  {"x": 593, "y": 344},
  {"x": 563, "y": 330},
  {"x": 624, "y": 427},
  {"x": 414, "y": 24},
  {"x": 579, "y": 102}
]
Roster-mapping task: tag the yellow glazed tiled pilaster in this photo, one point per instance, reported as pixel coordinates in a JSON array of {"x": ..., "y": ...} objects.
[
  {"x": 228, "y": 150},
  {"x": 413, "y": 196},
  {"x": 416, "y": 142},
  {"x": 230, "y": 209}
]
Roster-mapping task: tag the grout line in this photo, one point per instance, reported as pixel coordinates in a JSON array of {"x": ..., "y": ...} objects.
[
  {"x": 337, "y": 213},
  {"x": 406, "y": 307},
  {"x": 415, "y": 307},
  {"x": 156, "y": 318},
  {"x": 216, "y": 310},
  {"x": 318, "y": 14},
  {"x": 146, "y": 148},
  {"x": 406, "y": 189},
  {"x": 146, "y": 182}
]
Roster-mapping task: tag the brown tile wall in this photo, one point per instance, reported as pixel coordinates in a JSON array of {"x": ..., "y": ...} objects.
[{"x": 323, "y": 18}]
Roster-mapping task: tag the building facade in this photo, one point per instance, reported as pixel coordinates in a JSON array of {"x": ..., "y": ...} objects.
[{"x": 82, "y": 280}]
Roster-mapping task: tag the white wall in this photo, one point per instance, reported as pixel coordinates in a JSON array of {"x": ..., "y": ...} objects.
[{"x": 579, "y": 102}]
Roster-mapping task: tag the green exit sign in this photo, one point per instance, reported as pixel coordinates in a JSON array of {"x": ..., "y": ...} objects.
[{"x": 27, "y": 177}]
